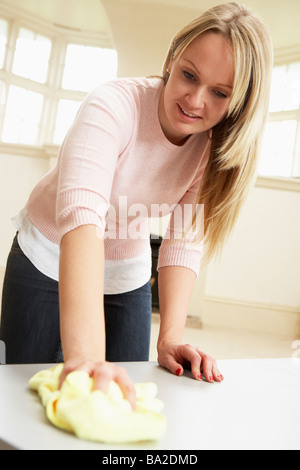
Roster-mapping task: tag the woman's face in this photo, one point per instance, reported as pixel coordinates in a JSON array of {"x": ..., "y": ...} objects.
[{"x": 198, "y": 92}]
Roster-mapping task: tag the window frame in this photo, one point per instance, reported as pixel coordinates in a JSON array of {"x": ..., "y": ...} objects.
[
  {"x": 8, "y": 25},
  {"x": 285, "y": 56},
  {"x": 51, "y": 90}
]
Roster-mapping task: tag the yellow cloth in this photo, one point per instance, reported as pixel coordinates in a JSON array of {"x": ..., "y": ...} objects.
[{"x": 97, "y": 416}]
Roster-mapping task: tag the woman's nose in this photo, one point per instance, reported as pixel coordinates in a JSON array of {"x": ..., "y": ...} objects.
[{"x": 198, "y": 98}]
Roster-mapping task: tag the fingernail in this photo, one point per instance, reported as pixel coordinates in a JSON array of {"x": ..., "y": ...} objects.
[
  {"x": 211, "y": 378},
  {"x": 200, "y": 377},
  {"x": 178, "y": 372}
]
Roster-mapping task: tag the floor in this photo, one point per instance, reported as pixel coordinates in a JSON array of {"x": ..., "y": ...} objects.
[{"x": 231, "y": 344}]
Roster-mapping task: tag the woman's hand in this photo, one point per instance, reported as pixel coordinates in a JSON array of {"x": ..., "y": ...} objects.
[
  {"x": 177, "y": 357},
  {"x": 176, "y": 284},
  {"x": 103, "y": 373}
]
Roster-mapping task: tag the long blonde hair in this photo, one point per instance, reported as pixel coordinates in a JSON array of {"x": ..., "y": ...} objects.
[{"x": 235, "y": 142}]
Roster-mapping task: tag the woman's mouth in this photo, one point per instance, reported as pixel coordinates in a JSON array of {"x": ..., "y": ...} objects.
[{"x": 188, "y": 115}]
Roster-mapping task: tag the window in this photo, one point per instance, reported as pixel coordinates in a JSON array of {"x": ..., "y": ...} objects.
[
  {"x": 22, "y": 117},
  {"x": 66, "y": 113},
  {"x": 2, "y": 96},
  {"x": 45, "y": 78},
  {"x": 3, "y": 40},
  {"x": 86, "y": 67},
  {"x": 285, "y": 91},
  {"x": 281, "y": 151},
  {"x": 32, "y": 55},
  {"x": 278, "y": 148}
]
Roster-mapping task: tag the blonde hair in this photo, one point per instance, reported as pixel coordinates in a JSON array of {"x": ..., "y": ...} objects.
[{"x": 235, "y": 142}]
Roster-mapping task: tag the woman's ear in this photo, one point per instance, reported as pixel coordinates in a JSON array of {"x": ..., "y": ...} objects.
[{"x": 169, "y": 69}]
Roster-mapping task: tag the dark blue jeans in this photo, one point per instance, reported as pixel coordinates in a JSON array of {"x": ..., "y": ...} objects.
[{"x": 30, "y": 326}]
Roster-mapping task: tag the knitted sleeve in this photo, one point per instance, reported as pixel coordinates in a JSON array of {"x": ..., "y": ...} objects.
[
  {"x": 180, "y": 246},
  {"x": 89, "y": 156}
]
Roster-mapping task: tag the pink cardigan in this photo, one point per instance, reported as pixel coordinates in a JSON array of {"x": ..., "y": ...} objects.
[{"x": 115, "y": 169}]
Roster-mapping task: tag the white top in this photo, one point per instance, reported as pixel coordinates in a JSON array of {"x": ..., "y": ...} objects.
[{"x": 120, "y": 276}]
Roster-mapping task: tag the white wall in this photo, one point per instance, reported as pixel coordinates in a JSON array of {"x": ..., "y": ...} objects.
[
  {"x": 255, "y": 283},
  {"x": 18, "y": 176},
  {"x": 261, "y": 260}
]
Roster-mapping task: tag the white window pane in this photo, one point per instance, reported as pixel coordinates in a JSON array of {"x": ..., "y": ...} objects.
[
  {"x": 278, "y": 88},
  {"x": 278, "y": 149},
  {"x": 23, "y": 115},
  {"x": 285, "y": 90},
  {"x": 294, "y": 86},
  {"x": 66, "y": 114},
  {"x": 3, "y": 40},
  {"x": 2, "y": 96},
  {"x": 86, "y": 67},
  {"x": 32, "y": 56}
]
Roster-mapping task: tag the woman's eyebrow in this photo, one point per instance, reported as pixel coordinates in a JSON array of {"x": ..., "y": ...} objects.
[{"x": 217, "y": 84}]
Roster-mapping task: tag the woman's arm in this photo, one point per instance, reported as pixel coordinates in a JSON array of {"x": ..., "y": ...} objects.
[
  {"x": 176, "y": 285},
  {"x": 81, "y": 281},
  {"x": 81, "y": 294}
]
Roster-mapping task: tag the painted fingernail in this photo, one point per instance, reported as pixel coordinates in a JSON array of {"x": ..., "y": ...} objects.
[
  {"x": 178, "y": 372},
  {"x": 211, "y": 378},
  {"x": 200, "y": 377}
]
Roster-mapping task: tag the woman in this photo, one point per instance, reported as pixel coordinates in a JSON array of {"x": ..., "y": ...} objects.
[{"x": 190, "y": 139}]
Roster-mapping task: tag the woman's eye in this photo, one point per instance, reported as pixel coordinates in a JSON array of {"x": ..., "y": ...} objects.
[
  {"x": 188, "y": 75},
  {"x": 219, "y": 94}
]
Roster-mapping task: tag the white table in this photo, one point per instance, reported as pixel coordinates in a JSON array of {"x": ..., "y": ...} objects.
[{"x": 256, "y": 407}]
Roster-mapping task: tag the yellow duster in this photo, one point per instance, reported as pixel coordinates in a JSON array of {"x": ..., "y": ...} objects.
[{"x": 97, "y": 416}]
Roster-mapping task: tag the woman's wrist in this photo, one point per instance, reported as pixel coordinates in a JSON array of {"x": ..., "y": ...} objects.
[
  {"x": 168, "y": 340},
  {"x": 85, "y": 355}
]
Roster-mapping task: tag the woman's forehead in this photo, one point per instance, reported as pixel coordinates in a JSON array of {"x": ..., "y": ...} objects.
[{"x": 211, "y": 54}]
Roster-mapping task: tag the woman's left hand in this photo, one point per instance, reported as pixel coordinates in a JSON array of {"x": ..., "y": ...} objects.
[{"x": 177, "y": 357}]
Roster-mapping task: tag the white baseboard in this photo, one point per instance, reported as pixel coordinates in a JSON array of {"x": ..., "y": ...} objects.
[{"x": 251, "y": 316}]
